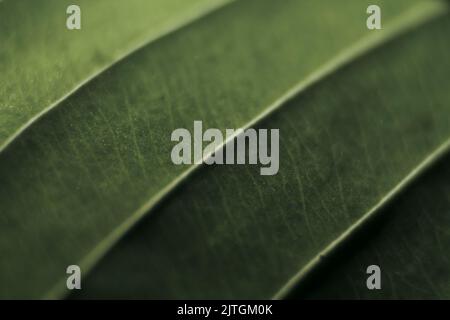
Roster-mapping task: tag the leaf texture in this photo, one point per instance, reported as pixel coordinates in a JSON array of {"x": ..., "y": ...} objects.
[
  {"x": 409, "y": 241},
  {"x": 346, "y": 143},
  {"x": 42, "y": 61},
  {"x": 77, "y": 179}
]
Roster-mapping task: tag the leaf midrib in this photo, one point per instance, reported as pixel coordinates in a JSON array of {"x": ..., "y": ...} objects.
[
  {"x": 177, "y": 23},
  {"x": 415, "y": 17},
  {"x": 362, "y": 222}
]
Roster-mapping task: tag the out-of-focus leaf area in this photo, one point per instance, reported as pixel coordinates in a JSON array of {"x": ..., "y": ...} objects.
[{"x": 86, "y": 176}]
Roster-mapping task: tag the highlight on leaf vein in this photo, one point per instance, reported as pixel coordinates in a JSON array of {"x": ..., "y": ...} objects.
[{"x": 224, "y": 150}]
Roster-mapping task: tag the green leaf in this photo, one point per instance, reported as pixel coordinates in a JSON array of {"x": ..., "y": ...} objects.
[
  {"x": 43, "y": 62},
  {"x": 349, "y": 146},
  {"x": 409, "y": 241},
  {"x": 76, "y": 180}
]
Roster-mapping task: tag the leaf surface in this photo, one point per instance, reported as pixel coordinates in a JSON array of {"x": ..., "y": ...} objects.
[
  {"x": 409, "y": 242},
  {"x": 42, "y": 61},
  {"x": 348, "y": 144},
  {"x": 76, "y": 180}
]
